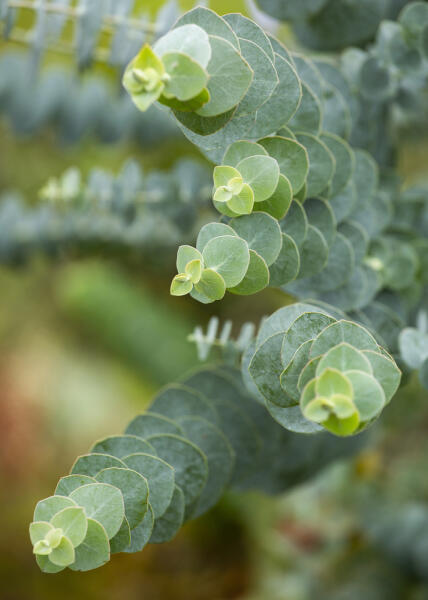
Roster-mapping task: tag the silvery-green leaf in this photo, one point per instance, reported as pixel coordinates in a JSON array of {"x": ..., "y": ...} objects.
[
  {"x": 322, "y": 163},
  {"x": 343, "y": 331},
  {"x": 150, "y": 423},
  {"x": 262, "y": 234},
  {"x": 292, "y": 158},
  {"x": 210, "y": 231},
  {"x": 385, "y": 371},
  {"x": 91, "y": 464},
  {"x": 142, "y": 533},
  {"x": 188, "y": 461},
  {"x": 306, "y": 327},
  {"x": 211, "y": 22},
  {"x": 295, "y": 224},
  {"x": 321, "y": 216},
  {"x": 229, "y": 256},
  {"x": 369, "y": 397},
  {"x": 308, "y": 117},
  {"x": 256, "y": 277},
  {"x": 94, "y": 551},
  {"x": 47, "y": 508},
  {"x": 121, "y": 445},
  {"x": 264, "y": 82},
  {"x": 70, "y": 482},
  {"x": 247, "y": 29},
  {"x": 187, "y": 77},
  {"x": 287, "y": 266},
  {"x": 262, "y": 174},
  {"x": 283, "y": 103},
  {"x": 122, "y": 539},
  {"x": 103, "y": 503},
  {"x": 230, "y": 78},
  {"x": 134, "y": 488},
  {"x": 167, "y": 526},
  {"x": 188, "y": 39},
  {"x": 179, "y": 401},
  {"x": 73, "y": 522},
  {"x": 159, "y": 476},
  {"x": 345, "y": 162},
  {"x": 220, "y": 457},
  {"x": 278, "y": 204},
  {"x": 313, "y": 253},
  {"x": 240, "y": 150}
]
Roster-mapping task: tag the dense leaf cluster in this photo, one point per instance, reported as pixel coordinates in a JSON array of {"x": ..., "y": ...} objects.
[
  {"x": 172, "y": 464},
  {"x": 315, "y": 371}
]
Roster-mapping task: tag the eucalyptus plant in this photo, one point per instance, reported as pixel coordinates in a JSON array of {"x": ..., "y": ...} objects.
[{"x": 302, "y": 150}]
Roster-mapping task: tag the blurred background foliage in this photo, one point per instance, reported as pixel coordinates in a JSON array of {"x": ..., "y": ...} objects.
[{"x": 78, "y": 361}]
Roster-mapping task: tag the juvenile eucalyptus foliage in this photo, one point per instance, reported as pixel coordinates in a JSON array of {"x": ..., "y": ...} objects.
[
  {"x": 171, "y": 464},
  {"x": 298, "y": 147}
]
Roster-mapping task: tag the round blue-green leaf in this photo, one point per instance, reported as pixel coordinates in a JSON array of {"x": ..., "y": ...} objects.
[
  {"x": 91, "y": 464},
  {"x": 292, "y": 419},
  {"x": 46, "y": 566},
  {"x": 190, "y": 40},
  {"x": 264, "y": 82},
  {"x": 295, "y": 224},
  {"x": 369, "y": 397},
  {"x": 211, "y": 286},
  {"x": 292, "y": 159},
  {"x": 102, "y": 502},
  {"x": 122, "y": 539},
  {"x": 70, "y": 482},
  {"x": 339, "y": 267},
  {"x": 94, "y": 551},
  {"x": 73, "y": 522},
  {"x": 179, "y": 401},
  {"x": 134, "y": 488},
  {"x": 210, "y": 231},
  {"x": 246, "y": 29},
  {"x": 308, "y": 117},
  {"x": 278, "y": 204},
  {"x": 142, "y": 533},
  {"x": 121, "y": 445},
  {"x": 385, "y": 371},
  {"x": 187, "y": 77},
  {"x": 188, "y": 461},
  {"x": 240, "y": 150},
  {"x": 166, "y": 527},
  {"x": 313, "y": 253},
  {"x": 283, "y": 103},
  {"x": 345, "y": 162},
  {"x": 262, "y": 234},
  {"x": 229, "y": 256},
  {"x": 220, "y": 457},
  {"x": 256, "y": 278},
  {"x": 230, "y": 78},
  {"x": 262, "y": 174},
  {"x": 210, "y": 22},
  {"x": 47, "y": 508},
  {"x": 306, "y": 327},
  {"x": 266, "y": 368},
  {"x": 287, "y": 266},
  {"x": 344, "y": 357},
  {"x": 159, "y": 476},
  {"x": 343, "y": 331},
  {"x": 150, "y": 423},
  {"x": 322, "y": 163}
]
